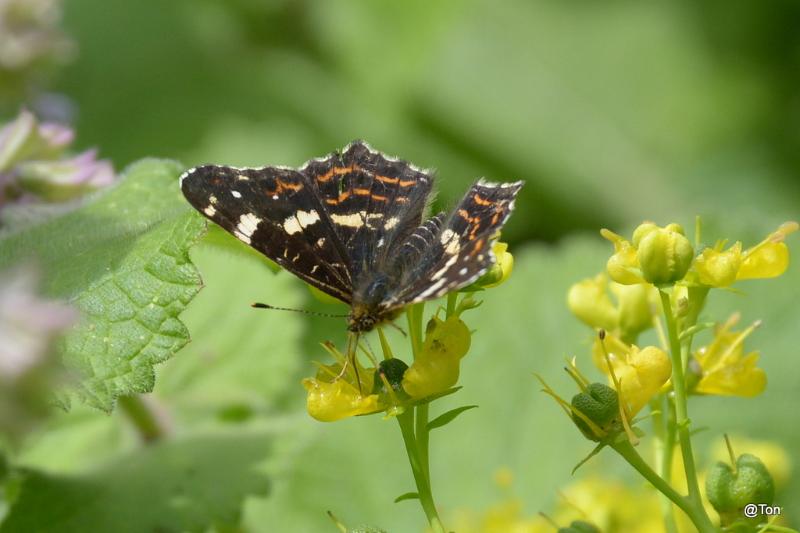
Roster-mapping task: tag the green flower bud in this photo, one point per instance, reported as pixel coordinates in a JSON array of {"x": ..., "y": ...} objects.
[
  {"x": 393, "y": 369},
  {"x": 579, "y": 526},
  {"x": 635, "y": 313},
  {"x": 664, "y": 255},
  {"x": 641, "y": 231},
  {"x": 729, "y": 492},
  {"x": 600, "y": 404}
]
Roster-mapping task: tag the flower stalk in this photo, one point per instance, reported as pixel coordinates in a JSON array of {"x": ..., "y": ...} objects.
[{"x": 697, "y": 513}]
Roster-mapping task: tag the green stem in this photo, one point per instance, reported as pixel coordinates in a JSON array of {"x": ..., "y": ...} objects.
[
  {"x": 423, "y": 438},
  {"x": 663, "y": 449},
  {"x": 143, "y": 417},
  {"x": 681, "y": 412},
  {"x": 406, "y": 422},
  {"x": 452, "y": 300},
  {"x": 414, "y": 317},
  {"x": 695, "y": 512}
]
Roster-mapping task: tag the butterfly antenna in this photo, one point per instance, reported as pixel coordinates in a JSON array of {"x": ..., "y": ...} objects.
[{"x": 259, "y": 305}]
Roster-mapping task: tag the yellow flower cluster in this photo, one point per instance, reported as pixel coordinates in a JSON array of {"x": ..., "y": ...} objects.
[
  {"x": 662, "y": 256},
  {"x": 625, "y": 310},
  {"x": 346, "y": 388}
]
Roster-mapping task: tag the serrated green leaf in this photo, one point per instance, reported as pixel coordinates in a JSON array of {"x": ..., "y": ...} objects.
[
  {"x": 185, "y": 485},
  {"x": 407, "y": 496},
  {"x": 122, "y": 261},
  {"x": 449, "y": 416}
]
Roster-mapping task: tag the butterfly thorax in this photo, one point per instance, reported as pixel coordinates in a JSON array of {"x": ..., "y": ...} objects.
[{"x": 369, "y": 295}]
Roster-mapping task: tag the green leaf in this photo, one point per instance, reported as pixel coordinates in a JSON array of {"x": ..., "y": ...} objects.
[
  {"x": 185, "y": 485},
  {"x": 122, "y": 261},
  {"x": 407, "y": 496},
  {"x": 449, "y": 416}
]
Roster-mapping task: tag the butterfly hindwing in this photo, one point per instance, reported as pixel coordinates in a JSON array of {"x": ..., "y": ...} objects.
[
  {"x": 461, "y": 250},
  {"x": 274, "y": 210}
]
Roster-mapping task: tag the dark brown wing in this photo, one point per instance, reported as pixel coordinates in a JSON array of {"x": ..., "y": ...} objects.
[
  {"x": 276, "y": 211},
  {"x": 461, "y": 250}
]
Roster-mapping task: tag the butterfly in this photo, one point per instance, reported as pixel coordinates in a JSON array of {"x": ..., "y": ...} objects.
[{"x": 353, "y": 224}]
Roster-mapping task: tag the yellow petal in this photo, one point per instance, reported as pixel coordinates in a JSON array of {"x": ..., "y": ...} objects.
[
  {"x": 717, "y": 268},
  {"x": 328, "y": 402},
  {"x": 739, "y": 377},
  {"x": 430, "y": 376},
  {"x": 446, "y": 339},
  {"x": 502, "y": 268},
  {"x": 767, "y": 260},
  {"x": 643, "y": 375},
  {"x": 617, "y": 352},
  {"x": 589, "y": 301}
]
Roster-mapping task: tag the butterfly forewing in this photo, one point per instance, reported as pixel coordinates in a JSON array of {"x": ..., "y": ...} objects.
[{"x": 275, "y": 211}]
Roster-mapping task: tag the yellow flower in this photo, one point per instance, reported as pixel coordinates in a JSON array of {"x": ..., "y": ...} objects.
[
  {"x": 500, "y": 271},
  {"x": 506, "y": 516},
  {"x": 623, "y": 265},
  {"x": 331, "y": 401},
  {"x": 716, "y": 267},
  {"x": 340, "y": 391},
  {"x": 610, "y": 505},
  {"x": 770, "y": 257},
  {"x": 725, "y": 369},
  {"x": 656, "y": 255},
  {"x": 590, "y": 302},
  {"x": 629, "y": 314},
  {"x": 641, "y": 373},
  {"x": 436, "y": 367}
]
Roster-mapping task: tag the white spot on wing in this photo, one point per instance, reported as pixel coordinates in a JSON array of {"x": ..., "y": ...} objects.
[
  {"x": 248, "y": 223},
  {"x": 300, "y": 220},
  {"x": 392, "y": 222},
  {"x": 210, "y": 211},
  {"x": 430, "y": 290},
  {"x": 449, "y": 240},
  {"x": 212, "y": 199},
  {"x": 236, "y": 194},
  {"x": 353, "y": 220}
]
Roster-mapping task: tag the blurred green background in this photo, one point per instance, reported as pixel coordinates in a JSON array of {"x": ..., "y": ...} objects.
[{"x": 612, "y": 112}]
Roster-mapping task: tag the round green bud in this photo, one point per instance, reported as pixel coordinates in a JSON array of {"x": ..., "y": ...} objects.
[
  {"x": 393, "y": 369},
  {"x": 600, "y": 404},
  {"x": 641, "y": 231},
  {"x": 729, "y": 492},
  {"x": 664, "y": 256}
]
